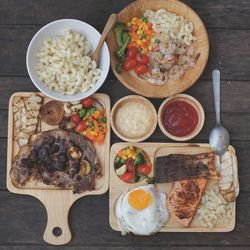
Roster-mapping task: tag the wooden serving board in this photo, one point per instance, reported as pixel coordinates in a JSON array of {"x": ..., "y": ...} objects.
[
  {"x": 58, "y": 201},
  {"x": 117, "y": 187}
]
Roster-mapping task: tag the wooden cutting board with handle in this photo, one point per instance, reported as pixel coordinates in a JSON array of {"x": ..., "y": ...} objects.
[{"x": 56, "y": 201}]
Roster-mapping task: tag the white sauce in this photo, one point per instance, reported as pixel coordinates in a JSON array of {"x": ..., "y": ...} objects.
[{"x": 134, "y": 120}]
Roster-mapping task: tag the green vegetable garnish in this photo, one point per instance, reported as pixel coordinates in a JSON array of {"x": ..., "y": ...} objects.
[
  {"x": 119, "y": 28},
  {"x": 123, "y": 161},
  {"x": 117, "y": 159},
  {"x": 139, "y": 159},
  {"x": 140, "y": 50},
  {"x": 157, "y": 41},
  {"x": 90, "y": 124},
  {"x": 121, "y": 51},
  {"x": 81, "y": 113},
  {"x": 144, "y": 19},
  {"x": 143, "y": 36},
  {"x": 122, "y": 37}
]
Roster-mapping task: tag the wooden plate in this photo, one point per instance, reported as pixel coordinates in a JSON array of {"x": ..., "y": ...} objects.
[
  {"x": 57, "y": 201},
  {"x": 117, "y": 187},
  {"x": 201, "y": 45},
  {"x": 134, "y": 99},
  {"x": 197, "y": 106}
]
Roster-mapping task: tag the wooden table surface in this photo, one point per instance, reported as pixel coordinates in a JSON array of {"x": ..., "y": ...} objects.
[{"x": 23, "y": 218}]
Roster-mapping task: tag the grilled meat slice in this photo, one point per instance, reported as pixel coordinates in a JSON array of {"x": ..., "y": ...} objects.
[
  {"x": 60, "y": 158},
  {"x": 184, "y": 200},
  {"x": 176, "y": 167}
]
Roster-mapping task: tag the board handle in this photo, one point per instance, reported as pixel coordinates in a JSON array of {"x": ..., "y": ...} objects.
[{"x": 57, "y": 231}]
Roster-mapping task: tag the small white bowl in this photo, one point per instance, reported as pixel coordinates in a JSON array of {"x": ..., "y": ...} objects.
[{"x": 54, "y": 29}]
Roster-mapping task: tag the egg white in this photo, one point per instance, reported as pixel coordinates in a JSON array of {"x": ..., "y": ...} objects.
[{"x": 144, "y": 222}]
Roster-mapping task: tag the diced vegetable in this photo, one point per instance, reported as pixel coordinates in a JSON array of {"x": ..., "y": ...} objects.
[
  {"x": 137, "y": 164},
  {"x": 139, "y": 159}
]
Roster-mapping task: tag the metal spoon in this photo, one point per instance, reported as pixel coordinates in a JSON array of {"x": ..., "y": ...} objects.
[
  {"x": 109, "y": 25},
  {"x": 219, "y": 137}
]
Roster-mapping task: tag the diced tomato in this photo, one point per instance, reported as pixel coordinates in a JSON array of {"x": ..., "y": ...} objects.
[
  {"x": 144, "y": 169},
  {"x": 130, "y": 165},
  {"x": 81, "y": 126},
  {"x": 75, "y": 118},
  {"x": 141, "y": 58},
  {"x": 131, "y": 52},
  {"x": 140, "y": 69},
  {"x": 87, "y": 102},
  {"x": 127, "y": 177},
  {"x": 129, "y": 64}
]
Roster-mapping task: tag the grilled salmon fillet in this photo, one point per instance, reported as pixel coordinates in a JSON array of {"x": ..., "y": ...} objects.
[{"x": 184, "y": 199}]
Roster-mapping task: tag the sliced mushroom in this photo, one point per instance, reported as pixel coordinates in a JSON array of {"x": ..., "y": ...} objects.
[
  {"x": 74, "y": 152},
  {"x": 70, "y": 125},
  {"x": 85, "y": 167}
]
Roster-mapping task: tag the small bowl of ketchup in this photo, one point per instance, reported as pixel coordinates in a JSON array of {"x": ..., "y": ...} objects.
[{"x": 181, "y": 117}]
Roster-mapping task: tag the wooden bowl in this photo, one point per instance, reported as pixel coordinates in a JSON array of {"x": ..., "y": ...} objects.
[
  {"x": 201, "y": 45},
  {"x": 197, "y": 106},
  {"x": 132, "y": 101}
]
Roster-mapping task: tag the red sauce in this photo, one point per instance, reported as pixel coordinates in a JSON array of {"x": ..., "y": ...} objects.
[{"x": 179, "y": 118}]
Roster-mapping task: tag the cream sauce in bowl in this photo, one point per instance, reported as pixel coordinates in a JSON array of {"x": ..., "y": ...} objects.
[{"x": 134, "y": 118}]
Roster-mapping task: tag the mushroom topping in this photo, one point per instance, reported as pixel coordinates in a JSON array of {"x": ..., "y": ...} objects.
[
  {"x": 85, "y": 167},
  {"x": 74, "y": 152}
]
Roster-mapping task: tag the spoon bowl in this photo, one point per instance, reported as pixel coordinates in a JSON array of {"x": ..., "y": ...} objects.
[{"x": 219, "y": 137}]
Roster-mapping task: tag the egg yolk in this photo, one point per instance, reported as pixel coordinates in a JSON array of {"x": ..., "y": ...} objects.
[{"x": 140, "y": 199}]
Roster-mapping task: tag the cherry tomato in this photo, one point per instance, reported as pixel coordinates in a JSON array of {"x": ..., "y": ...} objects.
[
  {"x": 131, "y": 52},
  {"x": 130, "y": 165},
  {"x": 87, "y": 102},
  {"x": 140, "y": 69},
  {"x": 144, "y": 169},
  {"x": 75, "y": 118},
  {"x": 129, "y": 64},
  {"x": 127, "y": 177},
  {"x": 140, "y": 58},
  {"x": 81, "y": 126}
]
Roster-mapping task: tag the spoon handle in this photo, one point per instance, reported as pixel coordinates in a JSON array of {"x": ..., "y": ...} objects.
[
  {"x": 110, "y": 23},
  {"x": 216, "y": 90}
]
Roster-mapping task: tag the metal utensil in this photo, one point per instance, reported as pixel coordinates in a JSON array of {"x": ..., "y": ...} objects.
[{"x": 219, "y": 138}]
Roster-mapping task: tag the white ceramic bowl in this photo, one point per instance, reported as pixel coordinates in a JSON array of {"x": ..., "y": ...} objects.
[{"x": 56, "y": 28}]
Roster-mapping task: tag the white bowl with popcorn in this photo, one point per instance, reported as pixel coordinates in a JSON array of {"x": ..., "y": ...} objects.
[{"x": 59, "y": 60}]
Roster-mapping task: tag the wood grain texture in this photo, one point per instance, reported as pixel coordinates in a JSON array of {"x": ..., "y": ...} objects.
[
  {"x": 202, "y": 91},
  {"x": 57, "y": 202},
  {"x": 117, "y": 187},
  {"x": 28, "y": 223},
  {"x": 23, "y": 218},
  {"x": 201, "y": 47},
  {"x": 215, "y": 14}
]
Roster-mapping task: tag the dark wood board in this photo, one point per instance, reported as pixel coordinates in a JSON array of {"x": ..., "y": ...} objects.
[{"x": 23, "y": 218}]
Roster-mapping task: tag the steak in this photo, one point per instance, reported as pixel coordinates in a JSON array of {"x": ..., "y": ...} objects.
[
  {"x": 176, "y": 167},
  {"x": 60, "y": 158}
]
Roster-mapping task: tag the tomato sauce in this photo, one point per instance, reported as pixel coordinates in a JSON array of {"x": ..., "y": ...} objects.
[{"x": 179, "y": 118}]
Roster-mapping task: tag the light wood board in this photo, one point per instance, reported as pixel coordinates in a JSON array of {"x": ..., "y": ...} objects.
[
  {"x": 201, "y": 45},
  {"x": 117, "y": 187},
  {"x": 58, "y": 201}
]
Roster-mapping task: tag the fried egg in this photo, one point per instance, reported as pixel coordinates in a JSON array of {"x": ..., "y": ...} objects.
[{"x": 142, "y": 210}]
